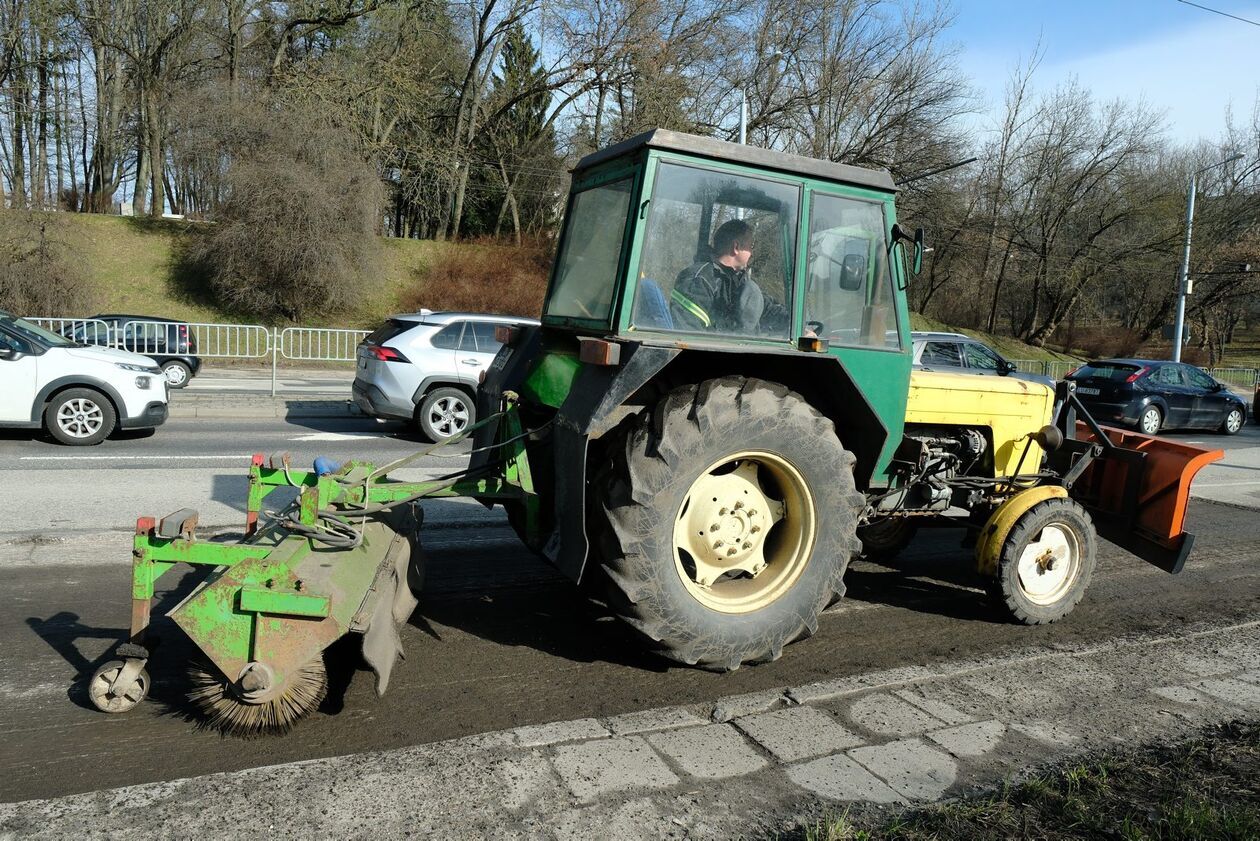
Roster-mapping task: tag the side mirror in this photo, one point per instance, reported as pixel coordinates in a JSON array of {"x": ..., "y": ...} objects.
[
  {"x": 1005, "y": 367},
  {"x": 852, "y": 272},
  {"x": 8, "y": 354},
  {"x": 899, "y": 235}
]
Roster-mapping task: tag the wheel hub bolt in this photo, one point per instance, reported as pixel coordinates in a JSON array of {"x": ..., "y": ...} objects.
[
  {"x": 715, "y": 527},
  {"x": 730, "y": 551},
  {"x": 739, "y": 504},
  {"x": 747, "y": 545},
  {"x": 755, "y": 529},
  {"x": 721, "y": 512},
  {"x": 719, "y": 544}
]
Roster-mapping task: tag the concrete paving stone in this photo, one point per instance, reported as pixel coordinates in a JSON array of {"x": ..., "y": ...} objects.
[
  {"x": 735, "y": 706},
  {"x": 827, "y": 689},
  {"x": 798, "y": 733},
  {"x": 838, "y": 777},
  {"x": 1236, "y": 692},
  {"x": 886, "y": 715},
  {"x": 928, "y": 700},
  {"x": 610, "y": 766},
  {"x": 1250, "y": 677},
  {"x": 910, "y": 767},
  {"x": 1046, "y": 733},
  {"x": 967, "y": 741},
  {"x": 711, "y": 752},
  {"x": 525, "y": 778},
  {"x": 646, "y": 721},
  {"x": 537, "y": 735}
]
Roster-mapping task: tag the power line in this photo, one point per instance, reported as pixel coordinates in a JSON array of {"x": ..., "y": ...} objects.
[{"x": 1219, "y": 12}]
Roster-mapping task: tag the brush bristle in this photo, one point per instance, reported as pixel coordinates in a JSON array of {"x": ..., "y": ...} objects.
[{"x": 219, "y": 707}]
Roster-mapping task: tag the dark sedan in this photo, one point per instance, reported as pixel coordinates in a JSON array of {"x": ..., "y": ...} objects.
[
  {"x": 1153, "y": 394},
  {"x": 170, "y": 343}
]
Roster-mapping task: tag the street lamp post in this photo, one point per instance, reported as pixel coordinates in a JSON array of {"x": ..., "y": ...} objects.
[
  {"x": 1183, "y": 277},
  {"x": 743, "y": 101}
]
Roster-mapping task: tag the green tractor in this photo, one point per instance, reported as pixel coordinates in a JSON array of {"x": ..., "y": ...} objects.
[{"x": 716, "y": 414}]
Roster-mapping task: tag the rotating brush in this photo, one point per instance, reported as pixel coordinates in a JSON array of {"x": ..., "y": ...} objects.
[{"x": 222, "y": 704}]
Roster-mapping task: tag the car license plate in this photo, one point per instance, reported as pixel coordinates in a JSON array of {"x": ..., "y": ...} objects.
[{"x": 1092, "y": 391}]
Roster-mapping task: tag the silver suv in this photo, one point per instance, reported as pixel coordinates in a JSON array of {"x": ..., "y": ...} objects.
[
  {"x": 957, "y": 353},
  {"x": 425, "y": 367}
]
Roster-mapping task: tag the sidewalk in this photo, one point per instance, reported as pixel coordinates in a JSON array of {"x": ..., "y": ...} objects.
[{"x": 739, "y": 767}]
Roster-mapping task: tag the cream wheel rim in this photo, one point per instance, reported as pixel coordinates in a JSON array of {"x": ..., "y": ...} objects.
[
  {"x": 1050, "y": 564},
  {"x": 744, "y": 532}
]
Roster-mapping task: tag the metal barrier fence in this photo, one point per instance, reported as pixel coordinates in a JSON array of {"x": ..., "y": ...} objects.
[
  {"x": 320, "y": 344},
  {"x": 211, "y": 340}
]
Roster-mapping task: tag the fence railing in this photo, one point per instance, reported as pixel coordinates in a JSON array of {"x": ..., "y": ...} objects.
[
  {"x": 211, "y": 340},
  {"x": 320, "y": 344}
]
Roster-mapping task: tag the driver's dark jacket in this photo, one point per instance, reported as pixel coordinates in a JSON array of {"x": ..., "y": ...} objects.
[{"x": 711, "y": 297}]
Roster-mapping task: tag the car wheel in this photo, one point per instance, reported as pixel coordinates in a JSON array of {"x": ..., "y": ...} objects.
[
  {"x": 177, "y": 374},
  {"x": 79, "y": 417},
  {"x": 1151, "y": 420},
  {"x": 445, "y": 413},
  {"x": 1233, "y": 421}
]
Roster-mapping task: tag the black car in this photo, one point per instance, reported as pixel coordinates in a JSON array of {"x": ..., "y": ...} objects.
[
  {"x": 168, "y": 342},
  {"x": 1153, "y": 394}
]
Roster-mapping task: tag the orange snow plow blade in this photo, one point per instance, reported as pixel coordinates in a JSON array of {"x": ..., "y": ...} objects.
[{"x": 1138, "y": 490}]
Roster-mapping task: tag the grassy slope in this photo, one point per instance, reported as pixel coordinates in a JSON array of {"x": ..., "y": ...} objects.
[{"x": 132, "y": 261}]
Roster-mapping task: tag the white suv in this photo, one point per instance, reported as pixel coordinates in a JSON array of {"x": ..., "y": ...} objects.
[
  {"x": 425, "y": 367},
  {"x": 78, "y": 393}
]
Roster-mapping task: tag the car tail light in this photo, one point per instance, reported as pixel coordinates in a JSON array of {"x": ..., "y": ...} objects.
[
  {"x": 1072, "y": 373},
  {"x": 1134, "y": 376},
  {"x": 386, "y": 354}
]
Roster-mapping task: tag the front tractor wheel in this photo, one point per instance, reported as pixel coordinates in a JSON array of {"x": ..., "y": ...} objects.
[
  {"x": 731, "y": 515},
  {"x": 1046, "y": 562}
]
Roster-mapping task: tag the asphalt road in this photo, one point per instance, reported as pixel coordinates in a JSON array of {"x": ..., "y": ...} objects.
[{"x": 499, "y": 640}]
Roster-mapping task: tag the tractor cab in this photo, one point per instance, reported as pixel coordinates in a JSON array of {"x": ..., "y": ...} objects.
[{"x": 671, "y": 238}]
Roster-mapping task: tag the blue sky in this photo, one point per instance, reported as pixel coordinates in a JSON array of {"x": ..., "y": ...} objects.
[{"x": 1181, "y": 59}]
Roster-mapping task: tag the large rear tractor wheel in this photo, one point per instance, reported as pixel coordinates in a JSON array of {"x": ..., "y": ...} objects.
[
  {"x": 1046, "y": 562},
  {"x": 731, "y": 515}
]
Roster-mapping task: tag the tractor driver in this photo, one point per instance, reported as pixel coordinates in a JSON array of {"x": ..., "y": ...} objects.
[{"x": 718, "y": 295}]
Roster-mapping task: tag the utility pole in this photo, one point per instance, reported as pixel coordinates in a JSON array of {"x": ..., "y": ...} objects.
[{"x": 1183, "y": 277}]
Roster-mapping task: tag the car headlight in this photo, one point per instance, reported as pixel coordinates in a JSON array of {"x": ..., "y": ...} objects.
[{"x": 139, "y": 369}]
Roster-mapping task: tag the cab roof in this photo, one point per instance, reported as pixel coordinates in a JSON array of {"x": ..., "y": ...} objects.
[{"x": 720, "y": 150}]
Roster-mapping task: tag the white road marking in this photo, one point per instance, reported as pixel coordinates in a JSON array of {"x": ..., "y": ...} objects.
[
  {"x": 132, "y": 458},
  {"x": 1222, "y": 484},
  {"x": 335, "y": 436}
]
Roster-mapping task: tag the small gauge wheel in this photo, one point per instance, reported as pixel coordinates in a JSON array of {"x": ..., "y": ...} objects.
[{"x": 105, "y": 699}]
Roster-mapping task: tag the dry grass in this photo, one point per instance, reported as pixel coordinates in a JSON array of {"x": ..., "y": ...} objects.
[
  {"x": 1206, "y": 788},
  {"x": 483, "y": 277}
]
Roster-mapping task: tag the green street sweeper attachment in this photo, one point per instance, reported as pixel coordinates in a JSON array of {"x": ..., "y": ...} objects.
[{"x": 342, "y": 557}]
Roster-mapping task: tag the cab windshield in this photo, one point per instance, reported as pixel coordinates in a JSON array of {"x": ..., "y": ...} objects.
[{"x": 717, "y": 255}]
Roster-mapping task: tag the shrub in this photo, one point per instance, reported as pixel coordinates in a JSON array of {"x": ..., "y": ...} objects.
[
  {"x": 37, "y": 274},
  {"x": 296, "y": 233},
  {"x": 484, "y": 278}
]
